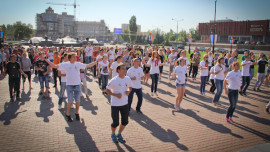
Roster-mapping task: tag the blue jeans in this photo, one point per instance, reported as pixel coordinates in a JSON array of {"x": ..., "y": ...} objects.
[
  {"x": 88, "y": 59},
  {"x": 203, "y": 83},
  {"x": 233, "y": 98},
  {"x": 73, "y": 92},
  {"x": 154, "y": 78},
  {"x": 140, "y": 98},
  {"x": 219, "y": 86},
  {"x": 245, "y": 83},
  {"x": 251, "y": 73},
  {"x": 62, "y": 91},
  {"x": 42, "y": 79},
  {"x": 104, "y": 80}
]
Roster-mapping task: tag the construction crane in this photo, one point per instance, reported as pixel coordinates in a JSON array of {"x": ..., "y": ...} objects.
[{"x": 74, "y": 5}]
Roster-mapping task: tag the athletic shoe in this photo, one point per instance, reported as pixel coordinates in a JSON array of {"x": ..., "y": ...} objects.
[
  {"x": 18, "y": 98},
  {"x": 258, "y": 89},
  {"x": 72, "y": 107},
  {"x": 215, "y": 104},
  {"x": 244, "y": 93},
  {"x": 241, "y": 93},
  {"x": 227, "y": 119},
  {"x": 69, "y": 118},
  {"x": 152, "y": 94},
  {"x": 139, "y": 111},
  {"x": 59, "y": 107},
  {"x": 267, "y": 110},
  {"x": 185, "y": 95},
  {"x": 114, "y": 139},
  {"x": 230, "y": 118},
  {"x": 156, "y": 94},
  {"x": 77, "y": 117},
  {"x": 120, "y": 138},
  {"x": 254, "y": 89},
  {"x": 11, "y": 100}
]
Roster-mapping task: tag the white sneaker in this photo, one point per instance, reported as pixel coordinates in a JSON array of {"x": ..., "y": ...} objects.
[
  {"x": 152, "y": 94},
  {"x": 59, "y": 107},
  {"x": 72, "y": 107},
  {"x": 156, "y": 94}
]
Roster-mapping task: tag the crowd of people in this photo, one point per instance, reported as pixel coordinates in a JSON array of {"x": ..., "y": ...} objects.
[{"x": 121, "y": 71}]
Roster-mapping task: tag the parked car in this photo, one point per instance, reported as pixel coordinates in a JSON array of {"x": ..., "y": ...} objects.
[
  {"x": 180, "y": 46},
  {"x": 240, "y": 42},
  {"x": 242, "y": 51},
  {"x": 246, "y": 42},
  {"x": 220, "y": 50},
  {"x": 260, "y": 43},
  {"x": 253, "y": 43},
  {"x": 202, "y": 49}
]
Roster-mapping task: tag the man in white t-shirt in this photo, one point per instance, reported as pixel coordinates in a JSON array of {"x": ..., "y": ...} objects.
[
  {"x": 114, "y": 65},
  {"x": 62, "y": 74},
  {"x": 73, "y": 83},
  {"x": 119, "y": 88},
  {"x": 89, "y": 53},
  {"x": 136, "y": 74}
]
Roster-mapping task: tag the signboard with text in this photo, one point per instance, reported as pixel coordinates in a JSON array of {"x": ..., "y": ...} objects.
[{"x": 117, "y": 31}]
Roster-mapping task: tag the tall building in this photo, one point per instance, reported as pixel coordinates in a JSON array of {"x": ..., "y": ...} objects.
[
  {"x": 92, "y": 29},
  {"x": 125, "y": 27},
  {"x": 54, "y": 25}
]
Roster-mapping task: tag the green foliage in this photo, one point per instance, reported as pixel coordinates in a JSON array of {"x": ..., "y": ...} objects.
[
  {"x": 125, "y": 36},
  {"x": 132, "y": 28},
  {"x": 194, "y": 33},
  {"x": 18, "y": 31}
]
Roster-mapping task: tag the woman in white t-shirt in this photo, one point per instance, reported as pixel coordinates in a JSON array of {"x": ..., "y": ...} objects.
[
  {"x": 212, "y": 80},
  {"x": 111, "y": 55},
  {"x": 210, "y": 65},
  {"x": 233, "y": 78},
  {"x": 180, "y": 74},
  {"x": 245, "y": 74},
  {"x": 154, "y": 64},
  {"x": 204, "y": 73},
  {"x": 104, "y": 72},
  {"x": 219, "y": 70}
]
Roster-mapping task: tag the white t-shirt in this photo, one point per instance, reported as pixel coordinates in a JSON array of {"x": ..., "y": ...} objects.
[
  {"x": 72, "y": 72},
  {"x": 180, "y": 72},
  {"x": 104, "y": 68},
  {"x": 50, "y": 56},
  {"x": 154, "y": 66},
  {"x": 186, "y": 62},
  {"x": 4, "y": 57},
  {"x": 118, "y": 85},
  {"x": 113, "y": 68},
  {"x": 138, "y": 73},
  {"x": 246, "y": 68},
  {"x": 220, "y": 75},
  {"x": 112, "y": 55},
  {"x": 212, "y": 76},
  {"x": 89, "y": 51},
  {"x": 234, "y": 80},
  {"x": 210, "y": 59},
  {"x": 171, "y": 57},
  {"x": 203, "y": 72}
]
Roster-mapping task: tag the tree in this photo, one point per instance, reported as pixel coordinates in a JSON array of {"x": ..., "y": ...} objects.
[
  {"x": 183, "y": 36},
  {"x": 22, "y": 30},
  {"x": 125, "y": 36},
  {"x": 132, "y": 28},
  {"x": 194, "y": 33}
]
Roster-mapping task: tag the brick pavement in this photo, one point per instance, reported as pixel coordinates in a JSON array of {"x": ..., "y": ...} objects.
[{"x": 34, "y": 124}]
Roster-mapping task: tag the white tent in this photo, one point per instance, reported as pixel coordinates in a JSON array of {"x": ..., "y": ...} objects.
[
  {"x": 67, "y": 40},
  {"x": 36, "y": 39}
]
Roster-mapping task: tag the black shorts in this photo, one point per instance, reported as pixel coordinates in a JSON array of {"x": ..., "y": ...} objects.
[
  {"x": 28, "y": 73},
  {"x": 124, "y": 111},
  {"x": 146, "y": 69}
]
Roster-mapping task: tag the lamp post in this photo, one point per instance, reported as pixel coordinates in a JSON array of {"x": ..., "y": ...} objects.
[
  {"x": 214, "y": 27},
  {"x": 177, "y": 26}
]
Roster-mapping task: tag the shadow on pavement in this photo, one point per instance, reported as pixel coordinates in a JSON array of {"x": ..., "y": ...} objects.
[
  {"x": 127, "y": 147},
  {"x": 82, "y": 138},
  {"x": 87, "y": 104},
  {"x": 45, "y": 109},
  {"x": 214, "y": 126},
  {"x": 157, "y": 101},
  {"x": 157, "y": 131}
]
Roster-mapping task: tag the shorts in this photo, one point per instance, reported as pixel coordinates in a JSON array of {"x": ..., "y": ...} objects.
[
  {"x": 74, "y": 92},
  {"x": 180, "y": 85},
  {"x": 146, "y": 69},
  {"x": 160, "y": 69},
  {"x": 171, "y": 68},
  {"x": 28, "y": 73},
  {"x": 42, "y": 79}
]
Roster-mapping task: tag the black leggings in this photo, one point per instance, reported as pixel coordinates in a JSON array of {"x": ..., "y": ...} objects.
[
  {"x": 154, "y": 78},
  {"x": 195, "y": 71},
  {"x": 14, "y": 83},
  {"x": 124, "y": 111},
  {"x": 55, "y": 75},
  {"x": 213, "y": 87}
]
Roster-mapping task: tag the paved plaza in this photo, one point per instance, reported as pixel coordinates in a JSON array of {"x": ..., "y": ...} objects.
[{"x": 34, "y": 124}]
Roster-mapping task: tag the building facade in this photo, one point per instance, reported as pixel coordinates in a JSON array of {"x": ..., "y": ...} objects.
[
  {"x": 94, "y": 30},
  {"x": 125, "y": 27},
  {"x": 241, "y": 30}
]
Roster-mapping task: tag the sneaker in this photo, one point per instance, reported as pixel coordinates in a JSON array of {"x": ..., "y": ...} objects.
[
  {"x": 18, "y": 98},
  {"x": 241, "y": 93},
  {"x": 156, "y": 94},
  {"x": 69, "y": 118},
  {"x": 244, "y": 93},
  {"x": 215, "y": 104},
  {"x": 72, "y": 107},
  {"x": 59, "y": 107},
  {"x": 120, "y": 138},
  {"x": 77, "y": 117},
  {"x": 43, "y": 97},
  {"x": 227, "y": 120},
  {"x": 114, "y": 139},
  {"x": 11, "y": 100},
  {"x": 40, "y": 93},
  {"x": 230, "y": 118},
  {"x": 259, "y": 89},
  {"x": 47, "y": 97},
  {"x": 254, "y": 89},
  {"x": 185, "y": 95},
  {"x": 152, "y": 94},
  {"x": 267, "y": 110},
  {"x": 139, "y": 111}
]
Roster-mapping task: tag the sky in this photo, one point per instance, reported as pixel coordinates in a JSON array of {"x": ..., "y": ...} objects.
[{"x": 150, "y": 14}]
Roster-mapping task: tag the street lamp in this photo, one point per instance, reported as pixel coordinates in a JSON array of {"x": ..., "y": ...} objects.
[
  {"x": 177, "y": 25},
  {"x": 214, "y": 27}
]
